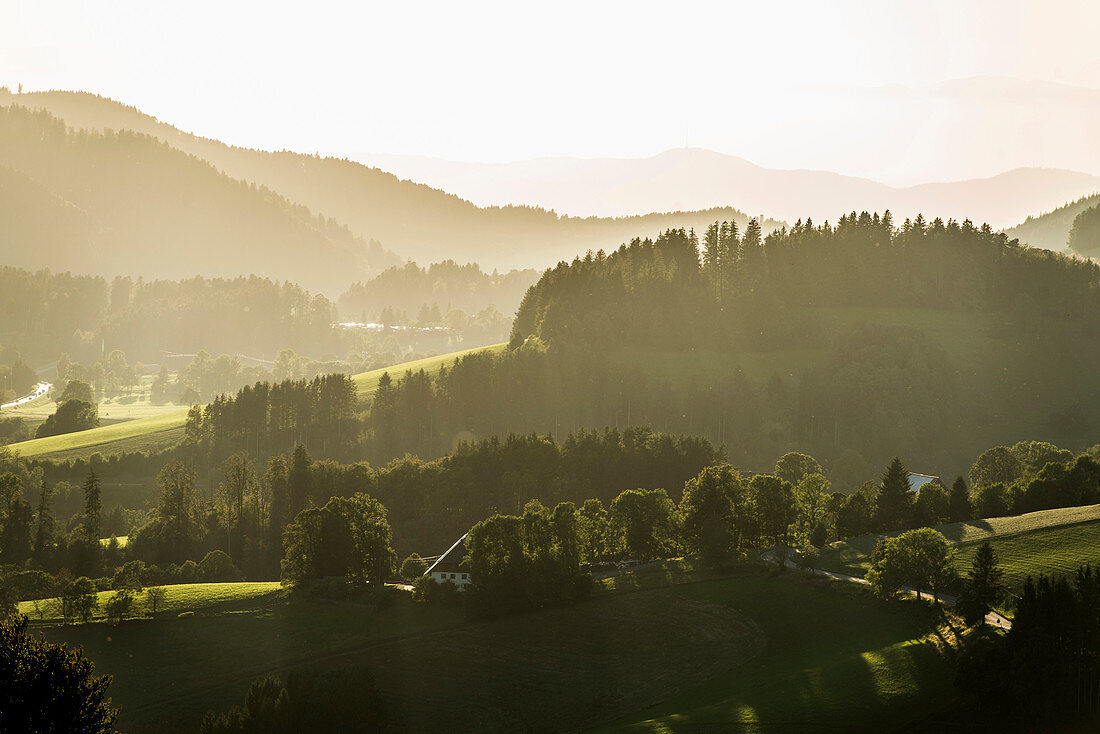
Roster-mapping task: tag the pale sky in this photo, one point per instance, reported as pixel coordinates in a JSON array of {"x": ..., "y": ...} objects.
[{"x": 846, "y": 86}]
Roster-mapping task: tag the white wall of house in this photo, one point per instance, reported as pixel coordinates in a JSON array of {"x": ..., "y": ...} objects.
[{"x": 459, "y": 579}]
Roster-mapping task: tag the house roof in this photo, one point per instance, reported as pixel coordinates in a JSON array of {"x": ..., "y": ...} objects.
[
  {"x": 916, "y": 481},
  {"x": 449, "y": 561}
]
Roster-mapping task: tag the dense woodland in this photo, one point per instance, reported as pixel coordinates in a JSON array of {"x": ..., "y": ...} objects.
[
  {"x": 445, "y": 285},
  {"x": 884, "y": 388}
]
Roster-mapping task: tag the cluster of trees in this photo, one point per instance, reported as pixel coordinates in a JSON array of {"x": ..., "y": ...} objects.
[
  {"x": 1046, "y": 670},
  {"x": 17, "y": 378},
  {"x": 77, "y": 410},
  {"x": 1084, "y": 234},
  {"x": 413, "y": 289},
  {"x": 267, "y": 418},
  {"x": 663, "y": 290},
  {"x": 1031, "y": 476}
]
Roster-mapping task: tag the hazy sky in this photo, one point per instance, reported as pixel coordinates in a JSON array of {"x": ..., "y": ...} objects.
[{"x": 848, "y": 86}]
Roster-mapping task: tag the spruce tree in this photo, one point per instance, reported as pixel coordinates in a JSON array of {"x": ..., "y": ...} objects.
[
  {"x": 93, "y": 507},
  {"x": 299, "y": 480},
  {"x": 959, "y": 508},
  {"x": 895, "y": 499},
  {"x": 983, "y": 585},
  {"x": 43, "y": 536}
]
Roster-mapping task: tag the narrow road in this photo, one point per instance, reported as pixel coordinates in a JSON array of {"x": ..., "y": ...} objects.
[
  {"x": 993, "y": 618},
  {"x": 39, "y": 390}
]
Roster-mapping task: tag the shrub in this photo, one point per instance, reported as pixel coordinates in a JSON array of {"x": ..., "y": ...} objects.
[
  {"x": 120, "y": 605},
  {"x": 217, "y": 566},
  {"x": 79, "y": 600}
]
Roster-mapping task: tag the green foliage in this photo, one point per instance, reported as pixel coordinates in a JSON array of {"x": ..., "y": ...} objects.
[
  {"x": 792, "y": 467},
  {"x": 77, "y": 390},
  {"x": 708, "y": 512},
  {"x": 920, "y": 559},
  {"x": 526, "y": 562},
  {"x": 120, "y": 605},
  {"x": 79, "y": 600},
  {"x": 412, "y": 568},
  {"x": 983, "y": 587},
  {"x": 1044, "y": 672},
  {"x": 895, "y": 498},
  {"x": 346, "y": 537},
  {"x": 959, "y": 507},
  {"x": 71, "y": 416},
  {"x": 48, "y": 687},
  {"x": 642, "y": 524}
]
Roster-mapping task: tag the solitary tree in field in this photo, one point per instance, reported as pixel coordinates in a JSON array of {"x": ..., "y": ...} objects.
[
  {"x": 155, "y": 598},
  {"x": 984, "y": 585},
  {"x": 49, "y": 688}
]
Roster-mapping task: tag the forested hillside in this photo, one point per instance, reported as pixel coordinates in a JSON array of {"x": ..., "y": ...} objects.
[
  {"x": 446, "y": 284},
  {"x": 854, "y": 343},
  {"x": 414, "y": 220},
  {"x": 125, "y": 203},
  {"x": 1051, "y": 230},
  {"x": 44, "y": 314}
]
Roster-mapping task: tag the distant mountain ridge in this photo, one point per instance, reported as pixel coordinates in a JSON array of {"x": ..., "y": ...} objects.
[
  {"x": 694, "y": 178},
  {"x": 124, "y": 203},
  {"x": 414, "y": 220}
]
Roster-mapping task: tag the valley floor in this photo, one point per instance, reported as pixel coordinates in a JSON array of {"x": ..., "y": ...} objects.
[{"x": 740, "y": 653}]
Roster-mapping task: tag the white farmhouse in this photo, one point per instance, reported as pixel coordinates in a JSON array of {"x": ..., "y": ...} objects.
[
  {"x": 446, "y": 567},
  {"x": 916, "y": 481}
]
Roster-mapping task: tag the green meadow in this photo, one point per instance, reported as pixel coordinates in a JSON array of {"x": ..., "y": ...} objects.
[
  {"x": 162, "y": 427},
  {"x": 1050, "y": 541},
  {"x": 679, "y": 651}
]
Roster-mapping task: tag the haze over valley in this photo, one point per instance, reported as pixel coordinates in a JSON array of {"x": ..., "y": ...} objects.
[{"x": 490, "y": 367}]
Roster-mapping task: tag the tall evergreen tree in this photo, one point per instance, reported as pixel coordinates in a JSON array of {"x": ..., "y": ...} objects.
[
  {"x": 959, "y": 507},
  {"x": 299, "y": 479},
  {"x": 93, "y": 506},
  {"x": 895, "y": 498},
  {"x": 983, "y": 586},
  {"x": 46, "y": 522}
]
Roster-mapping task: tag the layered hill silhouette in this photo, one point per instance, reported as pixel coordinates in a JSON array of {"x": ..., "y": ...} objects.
[
  {"x": 123, "y": 203},
  {"x": 1051, "y": 229},
  {"x": 694, "y": 178},
  {"x": 416, "y": 221}
]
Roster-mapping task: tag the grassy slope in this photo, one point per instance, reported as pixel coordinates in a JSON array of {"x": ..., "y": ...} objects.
[
  {"x": 143, "y": 434},
  {"x": 1050, "y": 541},
  {"x": 832, "y": 657},
  {"x": 180, "y": 598},
  {"x": 834, "y": 661},
  {"x": 367, "y": 382},
  {"x": 164, "y": 430}
]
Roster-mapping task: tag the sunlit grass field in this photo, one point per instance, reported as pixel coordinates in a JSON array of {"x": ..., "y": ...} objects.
[
  {"x": 163, "y": 428},
  {"x": 151, "y": 434},
  {"x": 179, "y": 598},
  {"x": 1050, "y": 541},
  {"x": 367, "y": 382}
]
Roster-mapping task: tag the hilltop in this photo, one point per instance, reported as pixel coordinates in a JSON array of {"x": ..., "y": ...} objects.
[
  {"x": 417, "y": 221},
  {"x": 124, "y": 203},
  {"x": 695, "y": 178}
]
